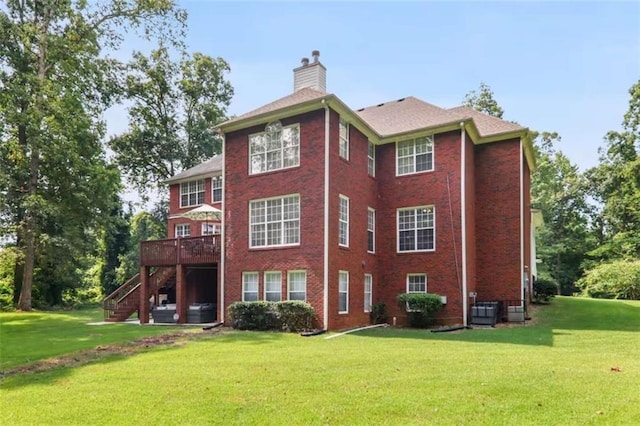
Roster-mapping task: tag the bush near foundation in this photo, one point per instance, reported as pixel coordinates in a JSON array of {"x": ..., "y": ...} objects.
[
  {"x": 291, "y": 316},
  {"x": 421, "y": 308}
]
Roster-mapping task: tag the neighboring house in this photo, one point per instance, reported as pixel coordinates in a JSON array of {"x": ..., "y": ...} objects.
[{"x": 348, "y": 208}]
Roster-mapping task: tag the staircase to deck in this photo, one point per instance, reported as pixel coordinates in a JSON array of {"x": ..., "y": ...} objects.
[{"x": 125, "y": 300}]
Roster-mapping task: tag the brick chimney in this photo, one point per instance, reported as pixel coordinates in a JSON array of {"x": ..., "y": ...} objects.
[{"x": 312, "y": 74}]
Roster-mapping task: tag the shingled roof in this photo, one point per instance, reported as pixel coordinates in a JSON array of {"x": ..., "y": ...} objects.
[
  {"x": 486, "y": 124},
  {"x": 405, "y": 115},
  {"x": 214, "y": 164}
]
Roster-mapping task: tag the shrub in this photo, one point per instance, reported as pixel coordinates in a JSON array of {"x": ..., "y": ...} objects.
[
  {"x": 252, "y": 316},
  {"x": 378, "y": 314},
  {"x": 543, "y": 290},
  {"x": 615, "y": 280},
  {"x": 421, "y": 308},
  {"x": 261, "y": 315},
  {"x": 295, "y": 315}
]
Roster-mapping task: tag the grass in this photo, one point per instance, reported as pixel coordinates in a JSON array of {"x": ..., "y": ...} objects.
[{"x": 557, "y": 371}]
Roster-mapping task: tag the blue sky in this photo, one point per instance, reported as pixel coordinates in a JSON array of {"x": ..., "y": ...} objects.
[{"x": 555, "y": 66}]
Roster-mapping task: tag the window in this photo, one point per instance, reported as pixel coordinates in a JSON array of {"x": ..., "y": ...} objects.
[
  {"x": 371, "y": 230},
  {"x": 416, "y": 229},
  {"x": 343, "y": 228},
  {"x": 209, "y": 229},
  {"x": 344, "y": 139},
  {"x": 182, "y": 230},
  {"x": 249, "y": 286},
  {"x": 273, "y": 286},
  {"x": 297, "y": 283},
  {"x": 276, "y": 148},
  {"x": 216, "y": 189},
  {"x": 275, "y": 221},
  {"x": 343, "y": 292},
  {"x": 416, "y": 283},
  {"x": 368, "y": 284},
  {"x": 371, "y": 156},
  {"x": 415, "y": 155},
  {"x": 192, "y": 193}
]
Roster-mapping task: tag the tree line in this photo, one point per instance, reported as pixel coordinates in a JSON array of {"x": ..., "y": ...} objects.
[{"x": 62, "y": 176}]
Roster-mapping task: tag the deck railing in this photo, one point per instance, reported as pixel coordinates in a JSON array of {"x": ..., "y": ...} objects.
[{"x": 186, "y": 251}]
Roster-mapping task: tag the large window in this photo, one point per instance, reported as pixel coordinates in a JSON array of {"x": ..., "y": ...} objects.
[
  {"x": 192, "y": 193},
  {"x": 249, "y": 286},
  {"x": 273, "y": 286},
  {"x": 343, "y": 226},
  {"x": 297, "y": 285},
  {"x": 216, "y": 189},
  {"x": 416, "y": 283},
  {"x": 344, "y": 139},
  {"x": 415, "y": 155},
  {"x": 368, "y": 286},
  {"x": 371, "y": 156},
  {"x": 343, "y": 292},
  {"x": 371, "y": 230},
  {"x": 276, "y": 148},
  {"x": 416, "y": 229},
  {"x": 182, "y": 230},
  {"x": 275, "y": 221}
]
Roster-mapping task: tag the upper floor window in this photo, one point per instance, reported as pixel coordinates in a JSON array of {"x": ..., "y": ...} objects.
[
  {"x": 276, "y": 148},
  {"x": 371, "y": 230},
  {"x": 209, "y": 229},
  {"x": 343, "y": 226},
  {"x": 416, "y": 229},
  {"x": 344, "y": 139},
  {"x": 182, "y": 230},
  {"x": 371, "y": 156},
  {"x": 192, "y": 193},
  {"x": 415, "y": 155},
  {"x": 275, "y": 221},
  {"x": 216, "y": 189}
]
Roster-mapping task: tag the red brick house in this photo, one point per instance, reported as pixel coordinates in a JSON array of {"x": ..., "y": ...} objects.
[{"x": 347, "y": 208}]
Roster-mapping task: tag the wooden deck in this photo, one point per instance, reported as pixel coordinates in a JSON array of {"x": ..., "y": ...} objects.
[{"x": 185, "y": 251}]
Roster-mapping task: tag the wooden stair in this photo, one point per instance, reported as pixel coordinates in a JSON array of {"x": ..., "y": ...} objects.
[{"x": 125, "y": 300}]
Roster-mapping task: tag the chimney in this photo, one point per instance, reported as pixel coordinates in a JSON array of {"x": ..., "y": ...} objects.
[{"x": 312, "y": 75}]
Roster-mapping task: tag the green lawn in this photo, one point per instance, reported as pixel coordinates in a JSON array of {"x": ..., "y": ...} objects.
[{"x": 557, "y": 371}]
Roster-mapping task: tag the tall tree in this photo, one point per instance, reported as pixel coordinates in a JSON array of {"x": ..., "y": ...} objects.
[
  {"x": 482, "y": 100},
  {"x": 176, "y": 106},
  {"x": 55, "y": 82}
]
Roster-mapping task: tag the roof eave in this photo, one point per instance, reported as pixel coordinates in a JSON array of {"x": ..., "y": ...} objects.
[
  {"x": 424, "y": 131},
  {"x": 203, "y": 175}
]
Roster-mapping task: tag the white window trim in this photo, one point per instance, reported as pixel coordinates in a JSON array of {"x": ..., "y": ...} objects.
[
  {"x": 182, "y": 225},
  {"x": 431, "y": 139},
  {"x": 199, "y": 183},
  {"x": 398, "y": 229},
  {"x": 368, "y": 295},
  {"x": 343, "y": 141},
  {"x": 371, "y": 210},
  {"x": 345, "y": 222},
  {"x": 372, "y": 171},
  {"x": 205, "y": 225},
  {"x": 416, "y": 292},
  {"x": 345, "y": 292},
  {"x": 244, "y": 282},
  {"x": 303, "y": 271},
  {"x": 214, "y": 188},
  {"x": 266, "y": 245},
  {"x": 291, "y": 126},
  {"x": 265, "y": 280}
]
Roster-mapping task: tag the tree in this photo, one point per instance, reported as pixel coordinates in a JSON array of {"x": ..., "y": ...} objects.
[
  {"x": 143, "y": 226},
  {"x": 483, "y": 101},
  {"x": 171, "y": 123},
  {"x": 615, "y": 185},
  {"x": 54, "y": 83}
]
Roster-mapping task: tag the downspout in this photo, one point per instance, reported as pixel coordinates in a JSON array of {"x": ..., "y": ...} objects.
[
  {"x": 522, "y": 272},
  {"x": 325, "y": 310},
  {"x": 222, "y": 231},
  {"x": 463, "y": 215}
]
